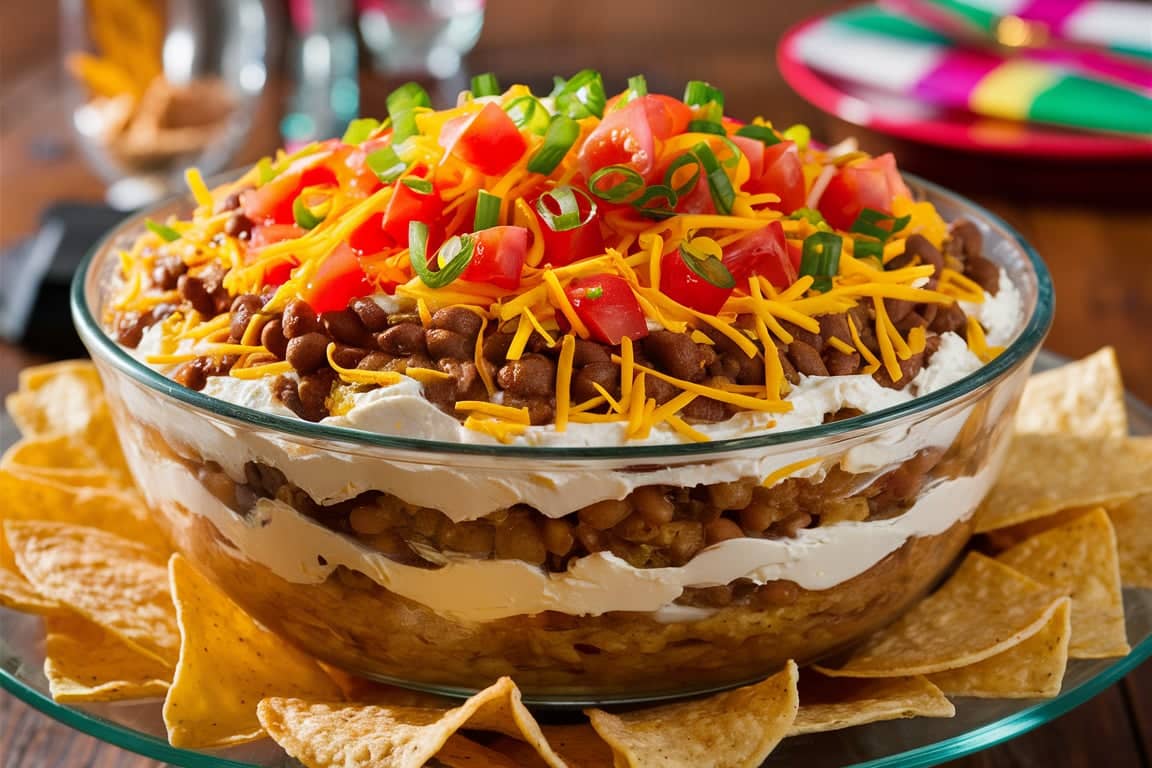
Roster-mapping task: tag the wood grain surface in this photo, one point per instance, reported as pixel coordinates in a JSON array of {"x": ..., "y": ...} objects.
[{"x": 1092, "y": 222}]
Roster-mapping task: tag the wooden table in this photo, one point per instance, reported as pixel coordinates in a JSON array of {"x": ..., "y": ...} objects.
[{"x": 1091, "y": 222}]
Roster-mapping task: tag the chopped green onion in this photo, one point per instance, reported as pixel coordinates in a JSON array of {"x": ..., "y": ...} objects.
[
  {"x": 708, "y": 268},
  {"x": 870, "y": 220},
  {"x": 528, "y": 112},
  {"x": 408, "y": 96},
  {"x": 810, "y": 215},
  {"x": 166, "y": 233},
  {"x": 402, "y": 105},
  {"x": 595, "y": 292},
  {"x": 683, "y": 161},
  {"x": 458, "y": 251},
  {"x": 868, "y": 249},
  {"x": 565, "y": 213},
  {"x": 619, "y": 192},
  {"x": 561, "y": 135},
  {"x": 820, "y": 258},
  {"x": 761, "y": 133},
  {"x": 265, "y": 170},
  {"x": 711, "y": 100},
  {"x": 487, "y": 211},
  {"x": 485, "y": 85},
  {"x": 800, "y": 134},
  {"x": 723, "y": 195},
  {"x": 707, "y": 126},
  {"x": 421, "y": 186},
  {"x": 580, "y": 96},
  {"x": 637, "y": 86},
  {"x": 386, "y": 164},
  {"x": 656, "y": 193},
  {"x": 306, "y": 217},
  {"x": 360, "y": 129}
]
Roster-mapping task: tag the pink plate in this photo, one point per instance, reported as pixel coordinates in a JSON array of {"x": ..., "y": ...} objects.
[{"x": 908, "y": 119}]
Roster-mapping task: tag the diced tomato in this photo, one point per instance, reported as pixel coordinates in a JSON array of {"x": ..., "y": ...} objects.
[
  {"x": 681, "y": 283},
  {"x": 405, "y": 206},
  {"x": 666, "y": 116},
  {"x": 873, "y": 183},
  {"x": 356, "y": 179},
  {"x": 779, "y": 172},
  {"x": 338, "y": 280},
  {"x": 266, "y": 234},
  {"x": 487, "y": 140},
  {"x": 369, "y": 237},
  {"x": 763, "y": 252},
  {"x": 498, "y": 258},
  {"x": 271, "y": 203},
  {"x": 278, "y": 273},
  {"x": 570, "y": 245},
  {"x": 605, "y": 303},
  {"x": 623, "y": 137}
]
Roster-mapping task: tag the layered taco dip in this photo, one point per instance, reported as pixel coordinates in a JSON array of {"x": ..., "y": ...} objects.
[{"x": 612, "y": 394}]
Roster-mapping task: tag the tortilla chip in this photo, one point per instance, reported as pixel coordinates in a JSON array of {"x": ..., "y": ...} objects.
[
  {"x": 1034, "y": 668},
  {"x": 1044, "y": 474},
  {"x": 16, "y": 593},
  {"x": 578, "y": 745},
  {"x": 59, "y": 452},
  {"x": 833, "y": 703},
  {"x": 86, "y": 663},
  {"x": 1006, "y": 538},
  {"x": 733, "y": 729},
  {"x": 119, "y": 584},
  {"x": 1133, "y": 523},
  {"x": 983, "y": 609},
  {"x": 1080, "y": 558},
  {"x": 1084, "y": 397},
  {"x": 228, "y": 663},
  {"x": 389, "y": 736},
  {"x": 26, "y": 497}
]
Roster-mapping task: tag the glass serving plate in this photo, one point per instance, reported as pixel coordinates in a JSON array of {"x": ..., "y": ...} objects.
[{"x": 978, "y": 724}]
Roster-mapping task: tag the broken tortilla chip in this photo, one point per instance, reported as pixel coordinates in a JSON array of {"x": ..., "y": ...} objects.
[
  {"x": 1031, "y": 669},
  {"x": 1080, "y": 557},
  {"x": 461, "y": 752},
  {"x": 228, "y": 663},
  {"x": 578, "y": 745},
  {"x": 834, "y": 703},
  {"x": 1133, "y": 523},
  {"x": 984, "y": 608},
  {"x": 119, "y": 584},
  {"x": 1084, "y": 397},
  {"x": 733, "y": 729},
  {"x": 1044, "y": 474},
  {"x": 83, "y": 662},
  {"x": 323, "y": 735}
]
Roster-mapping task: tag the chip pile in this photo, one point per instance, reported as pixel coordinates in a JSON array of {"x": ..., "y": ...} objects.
[{"x": 1068, "y": 524}]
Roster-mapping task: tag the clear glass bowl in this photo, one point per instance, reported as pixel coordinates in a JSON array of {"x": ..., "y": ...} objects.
[{"x": 261, "y": 502}]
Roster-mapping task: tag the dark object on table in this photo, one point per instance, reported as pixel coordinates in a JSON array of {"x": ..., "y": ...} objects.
[{"x": 35, "y": 276}]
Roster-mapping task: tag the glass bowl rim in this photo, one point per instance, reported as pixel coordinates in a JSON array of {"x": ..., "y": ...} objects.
[{"x": 102, "y": 346}]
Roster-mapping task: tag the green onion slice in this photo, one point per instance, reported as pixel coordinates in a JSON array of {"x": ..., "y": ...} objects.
[
  {"x": 619, "y": 192},
  {"x": 558, "y": 140},
  {"x": 820, "y": 258},
  {"x": 686, "y": 159},
  {"x": 811, "y": 215},
  {"x": 487, "y": 211},
  {"x": 707, "y": 126},
  {"x": 708, "y": 268},
  {"x": 386, "y": 164},
  {"x": 649, "y": 202},
  {"x": 868, "y": 249},
  {"x": 711, "y": 100},
  {"x": 408, "y": 96},
  {"x": 404, "y": 125},
  {"x": 165, "y": 232},
  {"x": 566, "y": 200},
  {"x": 485, "y": 85},
  {"x": 420, "y": 186},
  {"x": 595, "y": 292},
  {"x": 453, "y": 258},
  {"x": 637, "y": 86},
  {"x": 360, "y": 129},
  {"x": 527, "y": 112},
  {"x": 870, "y": 222},
  {"x": 580, "y": 96},
  {"x": 761, "y": 133},
  {"x": 309, "y": 214},
  {"x": 723, "y": 195}
]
